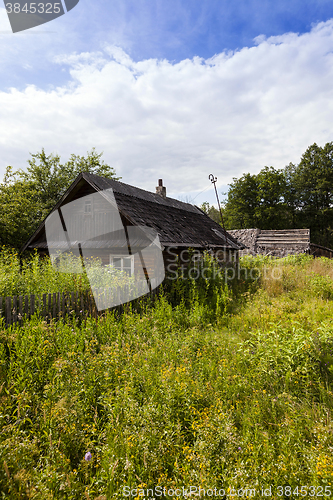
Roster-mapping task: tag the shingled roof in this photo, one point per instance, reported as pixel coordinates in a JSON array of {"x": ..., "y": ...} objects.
[
  {"x": 278, "y": 242},
  {"x": 177, "y": 223}
]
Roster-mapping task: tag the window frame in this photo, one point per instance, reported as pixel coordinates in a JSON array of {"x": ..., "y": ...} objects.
[{"x": 122, "y": 257}]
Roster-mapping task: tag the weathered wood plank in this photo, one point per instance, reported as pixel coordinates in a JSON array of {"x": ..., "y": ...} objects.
[
  {"x": 26, "y": 306},
  {"x": 8, "y": 312},
  {"x": 14, "y": 310},
  {"x": 44, "y": 306},
  {"x": 20, "y": 309},
  {"x": 32, "y": 305}
]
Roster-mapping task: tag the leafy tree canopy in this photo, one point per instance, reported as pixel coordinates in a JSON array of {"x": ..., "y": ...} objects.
[{"x": 28, "y": 196}]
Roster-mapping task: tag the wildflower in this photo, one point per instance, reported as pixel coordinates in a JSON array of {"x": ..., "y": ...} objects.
[{"x": 87, "y": 456}]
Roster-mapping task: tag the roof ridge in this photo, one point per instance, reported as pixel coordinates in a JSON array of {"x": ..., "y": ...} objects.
[{"x": 129, "y": 190}]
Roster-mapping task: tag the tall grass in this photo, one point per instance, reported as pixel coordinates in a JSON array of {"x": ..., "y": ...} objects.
[
  {"x": 34, "y": 275},
  {"x": 230, "y": 387}
]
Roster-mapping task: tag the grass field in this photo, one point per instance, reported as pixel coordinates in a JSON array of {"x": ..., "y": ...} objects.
[{"x": 230, "y": 387}]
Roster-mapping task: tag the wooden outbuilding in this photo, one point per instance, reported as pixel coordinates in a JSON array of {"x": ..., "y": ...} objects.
[{"x": 279, "y": 243}]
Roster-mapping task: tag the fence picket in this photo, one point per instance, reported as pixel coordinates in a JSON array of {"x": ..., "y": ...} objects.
[
  {"x": 49, "y": 307},
  {"x": 54, "y": 311},
  {"x": 20, "y": 309},
  {"x": 15, "y": 309},
  {"x": 44, "y": 305},
  {"x": 8, "y": 312},
  {"x": 26, "y": 306},
  {"x": 32, "y": 305}
]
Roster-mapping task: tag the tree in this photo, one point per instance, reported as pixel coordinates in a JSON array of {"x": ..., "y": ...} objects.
[
  {"x": 17, "y": 212},
  {"x": 257, "y": 201},
  {"x": 271, "y": 211},
  {"x": 28, "y": 196},
  {"x": 50, "y": 178},
  {"x": 291, "y": 197},
  {"x": 242, "y": 203},
  {"x": 313, "y": 183}
]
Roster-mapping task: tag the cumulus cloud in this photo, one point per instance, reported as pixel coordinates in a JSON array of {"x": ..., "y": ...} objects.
[{"x": 233, "y": 113}]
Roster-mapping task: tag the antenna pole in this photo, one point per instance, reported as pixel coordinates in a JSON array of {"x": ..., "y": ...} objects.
[{"x": 213, "y": 179}]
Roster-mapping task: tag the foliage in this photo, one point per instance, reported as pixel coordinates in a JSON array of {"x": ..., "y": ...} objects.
[
  {"x": 29, "y": 195},
  {"x": 164, "y": 398},
  {"x": 240, "y": 209},
  {"x": 17, "y": 213},
  {"x": 257, "y": 201},
  {"x": 35, "y": 276},
  {"x": 313, "y": 182}
]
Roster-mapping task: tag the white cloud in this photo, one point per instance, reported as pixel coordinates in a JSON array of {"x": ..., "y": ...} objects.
[{"x": 233, "y": 113}]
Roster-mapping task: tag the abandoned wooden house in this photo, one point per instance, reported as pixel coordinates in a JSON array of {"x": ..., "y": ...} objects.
[
  {"x": 179, "y": 225},
  {"x": 279, "y": 243}
]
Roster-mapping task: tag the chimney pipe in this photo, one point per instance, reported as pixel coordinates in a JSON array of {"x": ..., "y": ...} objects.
[{"x": 160, "y": 189}]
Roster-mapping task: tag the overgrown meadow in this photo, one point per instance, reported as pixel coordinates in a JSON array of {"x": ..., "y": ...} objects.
[{"x": 212, "y": 384}]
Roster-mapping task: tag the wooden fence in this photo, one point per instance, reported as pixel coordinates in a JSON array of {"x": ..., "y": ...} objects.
[{"x": 14, "y": 310}]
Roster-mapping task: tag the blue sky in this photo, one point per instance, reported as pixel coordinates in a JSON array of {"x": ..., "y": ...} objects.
[
  {"x": 174, "y": 30},
  {"x": 171, "y": 89}
]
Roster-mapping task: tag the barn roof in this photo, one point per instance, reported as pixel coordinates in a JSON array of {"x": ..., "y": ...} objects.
[{"x": 177, "y": 223}]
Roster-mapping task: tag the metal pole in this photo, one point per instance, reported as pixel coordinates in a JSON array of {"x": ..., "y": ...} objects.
[{"x": 213, "y": 179}]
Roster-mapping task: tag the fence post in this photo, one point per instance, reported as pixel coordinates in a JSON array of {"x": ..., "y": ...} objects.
[
  {"x": 49, "y": 308},
  {"x": 63, "y": 305},
  {"x": 82, "y": 303},
  {"x": 44, "y": 305},
  {"x": 8, "y": 312},
  {"x": 73, "y": 303},
  {"x": 26, "y": 306},
  {"x": 54, "y": 313},
  {"x": 20, "y": 309},
  {"x": 32, "y": 305},
  {"x": 15, "y": 309}
]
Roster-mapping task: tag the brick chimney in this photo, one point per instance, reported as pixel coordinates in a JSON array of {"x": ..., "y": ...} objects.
[{"x": 160, "y": 189}]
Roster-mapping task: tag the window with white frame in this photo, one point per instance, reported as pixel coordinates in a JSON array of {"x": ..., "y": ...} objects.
[{"x": 121, "y": 263}]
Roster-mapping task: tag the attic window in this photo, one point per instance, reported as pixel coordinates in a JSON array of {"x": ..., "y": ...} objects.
[{"x": 87, "y": 207}]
